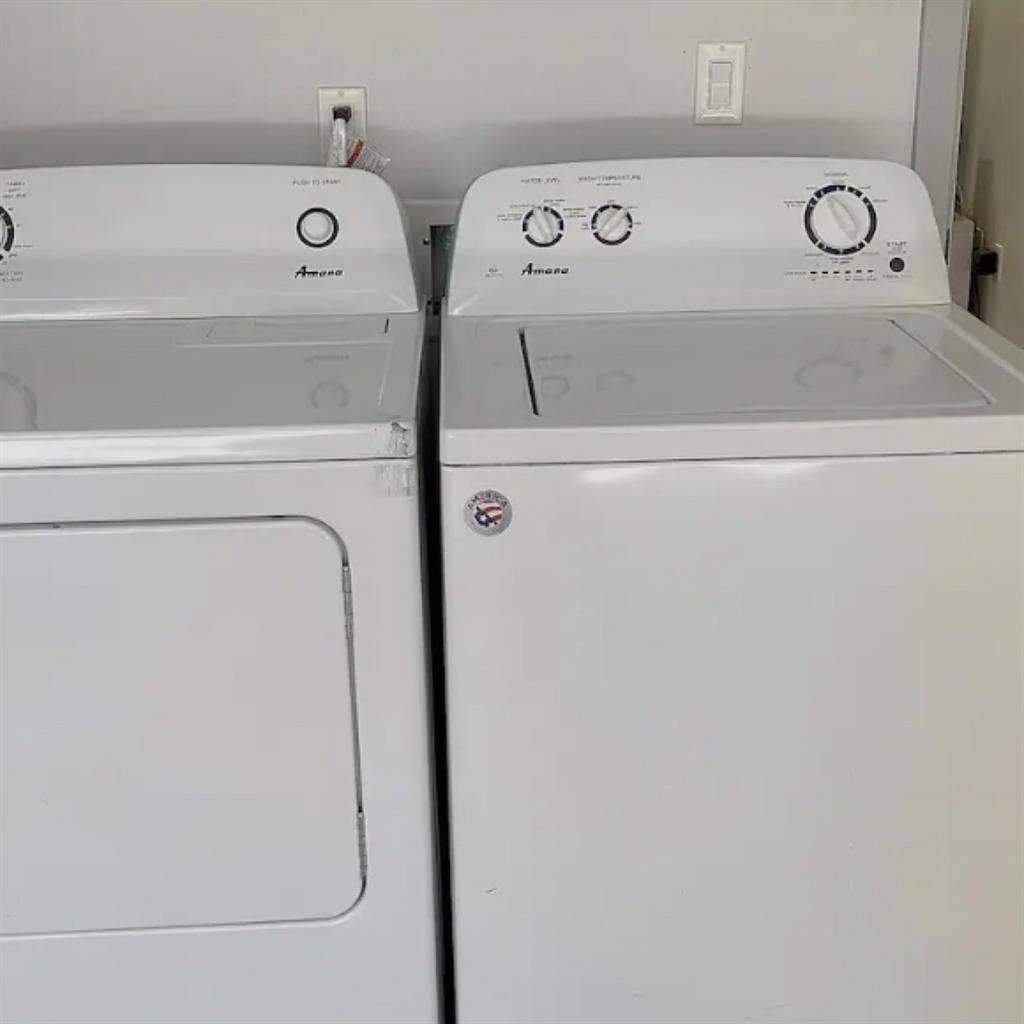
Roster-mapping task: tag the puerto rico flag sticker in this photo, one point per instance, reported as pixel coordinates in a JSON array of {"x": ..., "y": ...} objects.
[{"x": 488, "y": 513}]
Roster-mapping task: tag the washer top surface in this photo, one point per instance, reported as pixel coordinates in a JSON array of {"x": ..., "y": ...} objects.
[
  {"x": 718, "y": 366},
  {"x": 753, "y": 385}
]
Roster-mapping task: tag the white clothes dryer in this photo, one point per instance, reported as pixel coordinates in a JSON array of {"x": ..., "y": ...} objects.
[{"x": 215, "y": 763}]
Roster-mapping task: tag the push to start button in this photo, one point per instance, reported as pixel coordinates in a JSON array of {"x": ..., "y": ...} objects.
[{"x": 317, "y": 227}]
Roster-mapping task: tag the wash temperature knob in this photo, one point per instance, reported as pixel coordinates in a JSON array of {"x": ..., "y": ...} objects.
[{"x": 612, "y": 224}]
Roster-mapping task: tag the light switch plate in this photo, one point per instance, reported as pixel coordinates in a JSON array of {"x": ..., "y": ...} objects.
[
  {"x": 708, "y": 107},
  {"x": 330, "y": 96}
]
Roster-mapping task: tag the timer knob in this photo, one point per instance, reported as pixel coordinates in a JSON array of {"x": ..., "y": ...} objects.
[
  {"x": 6, "y": 231},
  {"x": 543, "y": 226},
  {"x": 611, "y": 224},
  {"x": 317, "y": 227},
  {"x": 840, "y": 220}
]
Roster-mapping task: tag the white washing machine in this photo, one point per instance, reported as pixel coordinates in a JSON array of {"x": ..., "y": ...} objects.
[
  {"x": 215, "y": 769},
  {"x": 733, "y": 523}
]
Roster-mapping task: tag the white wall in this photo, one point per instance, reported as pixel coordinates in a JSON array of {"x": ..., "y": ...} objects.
[
  {"x": 992, "y": 168},
  {"x": 454, "y": 88}
]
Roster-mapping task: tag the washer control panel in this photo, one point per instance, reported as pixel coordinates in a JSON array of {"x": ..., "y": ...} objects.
[
  {"x": 668, "y": 235},
  {"x": 200, "y": 241}
]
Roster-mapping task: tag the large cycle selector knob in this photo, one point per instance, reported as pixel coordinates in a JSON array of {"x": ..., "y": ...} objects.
[
  {"x": 317, "y": 227},
  {"x": 6, "y": 232},
  {"x": 543, "y": 226},
  {"x": 611, "y": 224},
  {"x": 840, "y": 220}
]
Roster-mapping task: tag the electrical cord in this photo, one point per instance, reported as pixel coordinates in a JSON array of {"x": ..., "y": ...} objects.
[{"x": 337, "y": 154}]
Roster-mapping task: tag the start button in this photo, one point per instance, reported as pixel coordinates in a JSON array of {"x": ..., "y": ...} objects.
[{"x": 317, "y": 227}]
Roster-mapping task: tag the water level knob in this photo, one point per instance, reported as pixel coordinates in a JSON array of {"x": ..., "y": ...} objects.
[{"x": 543, "y": 226}]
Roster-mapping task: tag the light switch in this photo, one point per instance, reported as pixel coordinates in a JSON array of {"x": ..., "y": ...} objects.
[
  {"x": 720, "y": 78},
  {"x": 721, "y": 72},
  {"x": 720, "y": 85}
]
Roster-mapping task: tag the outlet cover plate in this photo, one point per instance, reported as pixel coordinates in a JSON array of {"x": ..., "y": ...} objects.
[
  {"x": 1001, "y": 257},
  {"x": 330, "y": 96}
]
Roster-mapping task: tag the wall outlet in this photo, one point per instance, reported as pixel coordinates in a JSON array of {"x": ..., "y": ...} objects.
[
  {"x": 330, "y": 96},
  {"x": 999, "y": 256}
]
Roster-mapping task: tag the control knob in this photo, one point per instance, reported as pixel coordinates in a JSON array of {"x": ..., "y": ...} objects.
[
  {"x": 840, "y": 220},
  {"x": 6, "y": 232},
  {"x": 543, "y": 226},
  {"x": 611, "y": 224}
]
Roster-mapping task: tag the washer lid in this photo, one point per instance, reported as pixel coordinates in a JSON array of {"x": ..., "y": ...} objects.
[
  {"x": 699, "y": 386},
  {"x": 285, "y": 388},
  {"x": 717, "y": 366}
]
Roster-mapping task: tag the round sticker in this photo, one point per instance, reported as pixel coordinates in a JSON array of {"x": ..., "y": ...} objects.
[{"x": 488, "y": 513}]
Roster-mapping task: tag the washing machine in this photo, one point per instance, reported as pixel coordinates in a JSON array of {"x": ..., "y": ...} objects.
[
  {"x": 215, "y": 768},
  {"x": 733, "y": 525}
]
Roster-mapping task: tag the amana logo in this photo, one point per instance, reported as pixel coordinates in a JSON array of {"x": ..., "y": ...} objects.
[
  {"x": 305, "y": 271},
  {"x": 531, "y": 271}
]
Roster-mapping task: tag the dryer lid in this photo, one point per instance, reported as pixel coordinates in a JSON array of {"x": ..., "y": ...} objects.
[{"x": 283, "y": 388}]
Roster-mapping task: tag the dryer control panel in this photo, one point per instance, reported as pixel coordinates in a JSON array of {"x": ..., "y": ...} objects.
[
  {"x": 218, "y": 240},
  {"x": 667, "y": 235}
]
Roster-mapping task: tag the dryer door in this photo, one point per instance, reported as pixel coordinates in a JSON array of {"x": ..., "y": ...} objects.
[{"x": 177, "y": 730}]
